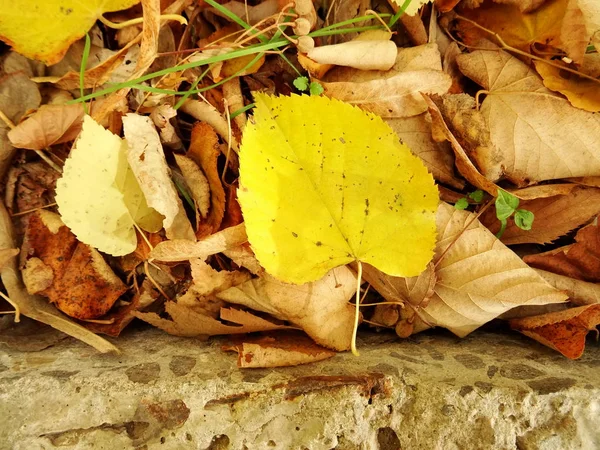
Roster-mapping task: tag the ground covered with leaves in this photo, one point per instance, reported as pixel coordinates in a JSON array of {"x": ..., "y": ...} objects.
[{"x": 285, "y": 172}]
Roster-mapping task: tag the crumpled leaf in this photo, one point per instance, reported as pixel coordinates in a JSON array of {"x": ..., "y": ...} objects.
[
  {"x": 57, "y": 23},
  {"x": 278, "y": 350},
  {"x": 580, "y": 260},
  {"x": 563, "y": 331},
  {"x": 183, "y": 250},
  {"x": 98, "y": 197},
  {"x": 334, "y": 205},
  {"x": 34, "y": 306},
  {"x": 320, "y": 308},
  {"x": 359, "y": 54},
  {"x": 580, "y": 292},
  {"x": 555, "y": 216},
  {"x": 72, "y": 275},
  {"x": 396, "y": 92},
  {"x": 50, "y": 125},
  {"x": 478, "y": 278},
  {"x": 204, "y": 151},
  {"x": 187, "y": 322},
  {"x": 533, "y": 129},
  {"x": 196, "y": 182},
  {"x": 147, "y": 161}
]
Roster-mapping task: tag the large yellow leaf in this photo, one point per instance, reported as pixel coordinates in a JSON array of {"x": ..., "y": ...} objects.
[
  {"x": 324, "y": 184},
  {"x": 98, "y": 196},
  {"x": 44, "y": 29}
]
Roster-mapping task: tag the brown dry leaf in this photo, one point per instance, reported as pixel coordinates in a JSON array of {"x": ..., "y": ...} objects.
[
  {"x": 283, "y": 349},
  {"x": 50, "y": 125},
  {"x": 196, "y": 182},
  {"x": 147, "y": 161},
  {"x": 397, "y": 92},
  {"x": 580, "y": 292},
  {"x": 232, "y": 92},
  {"x": 251, "y": 14},
  {"x": 184, "y": 250},
  {"x": 161, "y": 116},
  {"x": 243, "y": 256},
  {"x": 563, "y": 331},
  {"x": 478, "y": 278},
  {"x": 473, "y": 141},
  {"x": 208, "y": 281},
  {"x": 438, "y": 157},
  {"x": 580, "y": 260},
  {"x": 187, "y": 322},
  {"x": 554, "y": 216},
  {"x": 320, "y": 308},
  {"x": 6, "y": 256},
  {"x": 581, "y": 92},
  {"x": 314, "y": 69},
  {"x": 204, "y": 151},
  {"x": 204, "y": 112},
  {"x": 533, "y": 129},
  {"x": 342, "y": 11},
  {"x": 34, "y": 306},
  {"x": 72, "y": 275},
  {"x": 359, "y": 54}
]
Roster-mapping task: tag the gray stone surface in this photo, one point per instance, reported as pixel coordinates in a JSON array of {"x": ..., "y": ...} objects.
[{"x": 489, "y": 391}]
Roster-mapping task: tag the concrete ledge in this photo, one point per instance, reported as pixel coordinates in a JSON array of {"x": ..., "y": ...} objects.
[{"x": 433, "y": 391}]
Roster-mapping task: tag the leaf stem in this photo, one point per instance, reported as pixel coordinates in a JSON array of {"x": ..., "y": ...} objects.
[
  {"x": 117, "y": 26},
  {"x": 357, "y": 309}
]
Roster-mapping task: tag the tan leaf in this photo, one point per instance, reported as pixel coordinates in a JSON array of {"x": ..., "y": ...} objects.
[
  {"x": 147, "y": 160},
  {"x": 204, "y": 151},
  {"x": 554, "y": 216},
  {"x": 50, "y": 125},
  {"x": 534, "y": 129},
  {"x": 580, "y": 260},
  {"x": 563, "y": 331},
  {"x": 161, "y": 116},
  {"x": 34, "y": 306},
  {"x": 472, "y": 141},
  {"x": 186, "y": 322},
  {"x": 580, "y": 292},
  {"x": 196, "y": 182},
  {"x": 437, "y": 156},
  {"x": 397, "y": 92},
  {"x": 209, "y": 281},
  {"x": 183, "y": 250},
  {"x": 320, "y": 308},
  {"x": 205, "y": 112},
  {"x": 243, "y": 256},
  {"x": 72, "y": 275},
  {"x": 590, "y": 10},
  {"x": 279, "y": 350},
  {"x": 6, "y": 255},
  {"x": 478, "y": 278},
  {"x": 252, "y": 14},
  {"x": 359, "y": 54}
]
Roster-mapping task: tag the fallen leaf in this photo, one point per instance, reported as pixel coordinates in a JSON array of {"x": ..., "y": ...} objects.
[
  {"x": 359, "y": 54},
  {"x": 471, "y": 141},
  {"x": 590, "y": 10},
  {"x": 208, "y": 281},
  {"x": 6, "y": 255},
  {"x": 397, "y": 92},
  {"x": 186, "y": 322},
  {"x": 58, "y": 23},
  {"x": 563, "y": 331},
  {"x": 98, "y": 164},
  {"x": 184, "y": 250},
  {"x": 413, "y": 6},
  {"x": 581, "y": 92},
  {"x": 204, "y": 151},
  {"x": 324, "y": 158},
  {"x": 478, "y": 278},
  {"x": 533, "y": 129},
  {"x": 161, "y": 116},
  {"x": 72, "y": 275},
  {"x": 34, "y": 306},
  {"x": 50, "y": 125},
  {"x": 437, "y": 156},
  {"x": 252, "y": 14},
  {"x": 205, "y": 112},
  {"x": 580, "y": 260},
  {"x": 580, "y": 292},
  {"x": 279, "y": 350},
  {"x": 243, "y": 256},
  {"x": 196, "y": 182},
  {"x": 320, "y": 308},
  {"x": 554, "y": 216},
  {"x": 147, "y": 161}
]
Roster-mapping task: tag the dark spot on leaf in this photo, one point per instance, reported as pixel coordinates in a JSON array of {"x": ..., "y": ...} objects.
[
  {"x": 318, "y": 243},
  {"x": 342, "y": 140},
  {"x": 294, "y": 234}
]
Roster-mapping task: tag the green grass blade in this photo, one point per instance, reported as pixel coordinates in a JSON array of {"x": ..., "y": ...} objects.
[
  {"x": 84, "y": 60},
  {"x": 397, "y": 16},
  {"x": 237, "y": 19}
]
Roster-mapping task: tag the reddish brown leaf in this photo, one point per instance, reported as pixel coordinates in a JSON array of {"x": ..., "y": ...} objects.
[
  {"x": 563, "y": 331},
  {"x": 278, "y": 350},
  {"x": 72, "y": 275},
  {"x": 580, "y": 260}
]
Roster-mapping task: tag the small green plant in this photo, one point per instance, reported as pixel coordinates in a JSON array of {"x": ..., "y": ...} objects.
[
  {"x": 506, "y": 206},
  {"x": 302, "y": 84},
  {"x": 463, "y": 203}
]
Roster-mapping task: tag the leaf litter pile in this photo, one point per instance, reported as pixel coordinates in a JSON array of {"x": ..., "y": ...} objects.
[{"x": 285, "y": 172}]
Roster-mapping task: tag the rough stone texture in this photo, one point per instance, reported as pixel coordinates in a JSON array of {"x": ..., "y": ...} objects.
[{"x": 489, "y": 391}]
